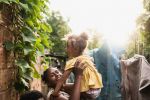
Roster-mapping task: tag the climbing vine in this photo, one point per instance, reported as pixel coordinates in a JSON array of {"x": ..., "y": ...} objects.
[{"x": 31, "y": 37}]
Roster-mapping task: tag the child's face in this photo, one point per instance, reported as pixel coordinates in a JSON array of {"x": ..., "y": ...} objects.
[
  {"x": 69, "y": 49},
  {"x": 53, "y": 76}
]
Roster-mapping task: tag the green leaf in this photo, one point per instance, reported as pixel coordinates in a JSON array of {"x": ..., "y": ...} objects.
[
  {"x": 27, "y": 77},
  {"x": 45, "y": 42},
  {"x": 45, "y": 67},
  {"x": 22, "y": 70},
  {"x": 19, "y": 86},
  {"x": 9, "y": 1},
  {"x": 8, "y": 45},
  {"x": 24, "y": 6},
  {"x": 39, "y": 53},
  {"x": 23, "y": 66},
  {"x": 15, "y": 1},
  {"x": 5, "y": 1},
  {"x": 25, "y": 82},
  {"x": 46, "y": 28},
  {"x": 36, "y": 74},
  {"x": 38, "y": 40},
  {"x": 40, "y": 47},
  {"x": 22, "y": 63},
  {"x": 33, "y": 57},
  {"x": 30, "y": 22},
  {"x": 29, "y": 37},
  {"x": 27, "y": 49}
]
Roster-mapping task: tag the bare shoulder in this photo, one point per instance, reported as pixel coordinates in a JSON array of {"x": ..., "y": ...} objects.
[{"x": 62, "y": 96}]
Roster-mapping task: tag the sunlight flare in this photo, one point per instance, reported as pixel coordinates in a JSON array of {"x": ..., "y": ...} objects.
[{"x": 115, "y": 19}]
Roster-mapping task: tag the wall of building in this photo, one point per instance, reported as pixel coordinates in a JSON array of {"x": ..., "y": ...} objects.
[{"x": 7, "y": 68}]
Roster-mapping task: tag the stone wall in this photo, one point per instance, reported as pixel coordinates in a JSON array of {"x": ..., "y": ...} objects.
[{"x": 7, "y": 68}]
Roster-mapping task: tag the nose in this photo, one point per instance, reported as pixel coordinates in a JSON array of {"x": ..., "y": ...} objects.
[{"x": 58, "y": 74}]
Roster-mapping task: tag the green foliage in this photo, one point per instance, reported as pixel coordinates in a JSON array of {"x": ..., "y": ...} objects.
[
  {"x": 9, "y": 45},
  {"x": 143, "y": 23},
  {"x": 142, "y": 42},
  {"x": 31, "y": 33},
  {"x": 96, "y": 40},
  {"x": 60, "y": 28},
  {"x": 9, "y": 1},
  {"x": 146, "y": 4},
  {"x": 131, "y": 48}
]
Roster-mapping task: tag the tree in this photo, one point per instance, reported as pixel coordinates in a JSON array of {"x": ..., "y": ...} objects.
[
  {"x": 142, "y": 42},
  {"x": 143, "y": 24},
  {"x": 96, "y": 40},
  {"x": 60, "y": 27}
]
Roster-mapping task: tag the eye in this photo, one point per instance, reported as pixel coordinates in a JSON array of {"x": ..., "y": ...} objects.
[{"x": 52, "y": 75}]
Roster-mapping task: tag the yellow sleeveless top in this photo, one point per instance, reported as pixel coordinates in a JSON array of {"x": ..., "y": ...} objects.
[{"x": 91, "y": 77}]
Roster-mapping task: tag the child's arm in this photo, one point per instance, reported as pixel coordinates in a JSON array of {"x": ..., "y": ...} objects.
[{"x": 61, "y": 81}]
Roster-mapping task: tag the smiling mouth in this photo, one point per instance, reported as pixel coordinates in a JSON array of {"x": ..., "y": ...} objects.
[{"x": 58, "y": 77}]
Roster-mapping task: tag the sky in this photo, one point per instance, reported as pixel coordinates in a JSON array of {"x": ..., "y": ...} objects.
[{"x": 115, "y": 19}]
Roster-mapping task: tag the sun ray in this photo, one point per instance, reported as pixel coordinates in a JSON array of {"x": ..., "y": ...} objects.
[{"x": 114, "y": 18}]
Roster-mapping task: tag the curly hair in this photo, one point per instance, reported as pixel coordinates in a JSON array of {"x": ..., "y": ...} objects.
[
  {"x": 79, "y": 42},
  {"x": 45, "y": 75},
  {"x": 32, "y": 95}
]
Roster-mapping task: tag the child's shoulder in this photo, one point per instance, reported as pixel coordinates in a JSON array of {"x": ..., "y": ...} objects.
[
  {"x": 85, "y": 57},
  {"x": 71, "y": 62}
]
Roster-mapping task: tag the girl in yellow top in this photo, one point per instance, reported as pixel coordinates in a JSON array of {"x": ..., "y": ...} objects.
[{"x": 91, "y": 82}]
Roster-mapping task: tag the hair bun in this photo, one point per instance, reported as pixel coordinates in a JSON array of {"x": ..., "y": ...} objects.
[{"x": 84, "y": 36}]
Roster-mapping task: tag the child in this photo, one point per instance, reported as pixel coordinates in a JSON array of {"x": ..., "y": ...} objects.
[
  {"x": 91, "y": 82},
  {"x": 32, "y": 95}
]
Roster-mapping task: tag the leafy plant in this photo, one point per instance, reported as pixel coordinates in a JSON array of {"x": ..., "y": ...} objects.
[
  {"x": 31, "y": 37},
  {"x": 60, "y": 28},
  {"x": 142, "y": 43}
]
